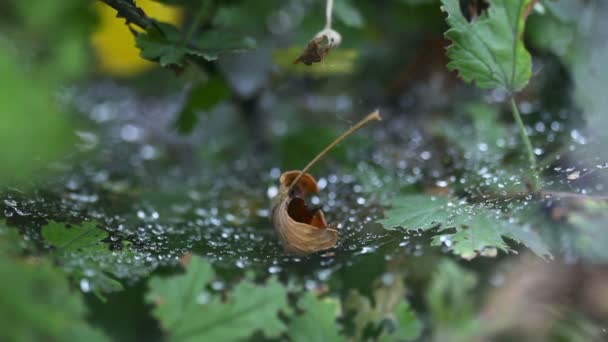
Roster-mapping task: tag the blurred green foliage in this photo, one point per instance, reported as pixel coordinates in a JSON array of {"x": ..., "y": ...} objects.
[
  {"x": 37, "y": 302},
  {"x": 49, "y": 49},
  {"x": 44, "y": 52}
]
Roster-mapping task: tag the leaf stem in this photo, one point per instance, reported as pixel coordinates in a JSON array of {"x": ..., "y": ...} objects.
[
  {"x": 374, "y": 116},
  {"x": 527, "y": 143}
]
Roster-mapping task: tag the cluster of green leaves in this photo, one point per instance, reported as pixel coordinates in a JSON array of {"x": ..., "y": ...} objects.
[
  {"x": 466, "y": 230},
  {"x": 163, "y": 43},
  {"x": 190, "y": 311},
  {"x": 170, "y": 47}
]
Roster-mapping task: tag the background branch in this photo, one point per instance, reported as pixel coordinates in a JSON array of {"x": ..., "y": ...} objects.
[{"x": 133, "y": 14}]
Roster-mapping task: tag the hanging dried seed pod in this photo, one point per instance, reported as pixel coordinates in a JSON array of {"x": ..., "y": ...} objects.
[
  {"x": 300, "y": 229},
  {"x": 315, "y": 51}
]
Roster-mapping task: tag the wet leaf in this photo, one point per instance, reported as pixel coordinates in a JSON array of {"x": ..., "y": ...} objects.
[
  {"x": 318, "y": 322},
  {"x": 466, "y": 230},
  {"x": 189, "y": 311},
  {"x": 74, "y": 238},
  {"x": 300, "y": 229},
  {"x": 82, "y": 252},
  {"x": 37, "y": 305},
  {"x": 490, "y": 50}
]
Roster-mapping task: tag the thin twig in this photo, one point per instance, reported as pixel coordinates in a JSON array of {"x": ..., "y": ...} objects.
[{"x": 374, "y": 116}]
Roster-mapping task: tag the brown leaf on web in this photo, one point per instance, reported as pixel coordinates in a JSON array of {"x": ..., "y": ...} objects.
[
  {"x": 315, "y": 51},
  {"x": 301, "y": 230}
]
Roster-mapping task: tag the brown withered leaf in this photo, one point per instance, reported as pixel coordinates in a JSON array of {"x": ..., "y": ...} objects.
[
  {"x": 301, "y": 230},
  {"x": 314, "y": 51}
]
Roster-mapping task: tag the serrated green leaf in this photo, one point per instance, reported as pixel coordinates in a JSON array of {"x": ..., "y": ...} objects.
[
  {"x": 74, "y": 238},
  {"x": 416, "y": 212},
  {"x": 37, "y": 305},
  {"x": 189, "y": 312},
  {"x": 467, "y": 230},
  {"x": 168, "y": 48},
  {"x": 317, "y": 323},
  {"x": 490, "y": 50}
]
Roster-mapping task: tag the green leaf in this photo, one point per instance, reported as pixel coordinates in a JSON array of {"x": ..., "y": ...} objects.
[
  {"x": 189, "y": 312},
  {"x": 203, "y": 97},
  {"x": 37, "y": 305},
  {"x": 467, "y": 230},
  {"x": 450, "y": 302},
  {"x": 416, "y": 212},
  {"x": 168, "y": 48},
  {"x": 390, "y": 313},
  {"x": 348, "y": 14},
  {"x": 490, "y": 50},
  {"x": 318, "y": 322},
  {"x": 80, "y": 251},
  {"x": 74, "y": 238}
]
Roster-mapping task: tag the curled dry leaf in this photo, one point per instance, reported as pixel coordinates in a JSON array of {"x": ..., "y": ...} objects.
[
  {"x": 301, "y": 230},
  {"x": 315, "y": 51}
]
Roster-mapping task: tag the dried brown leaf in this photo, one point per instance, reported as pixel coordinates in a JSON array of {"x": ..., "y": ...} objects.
[
  {"x": 301, "y": 230},
  {"x": 314, "y": 51}
]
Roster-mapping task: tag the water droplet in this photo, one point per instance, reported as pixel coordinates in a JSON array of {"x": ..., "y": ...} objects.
[
  {"x": 274, "y": 269},
  {"x": 441, "y": 183},
  {"x": 85, "y": 285},
  {"x": 272, "y": 191}
]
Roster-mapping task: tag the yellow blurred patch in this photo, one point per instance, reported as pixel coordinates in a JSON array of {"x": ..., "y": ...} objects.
[
  {"x": 339, "y": 61},
  {"x": 115, "y": 45}
]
